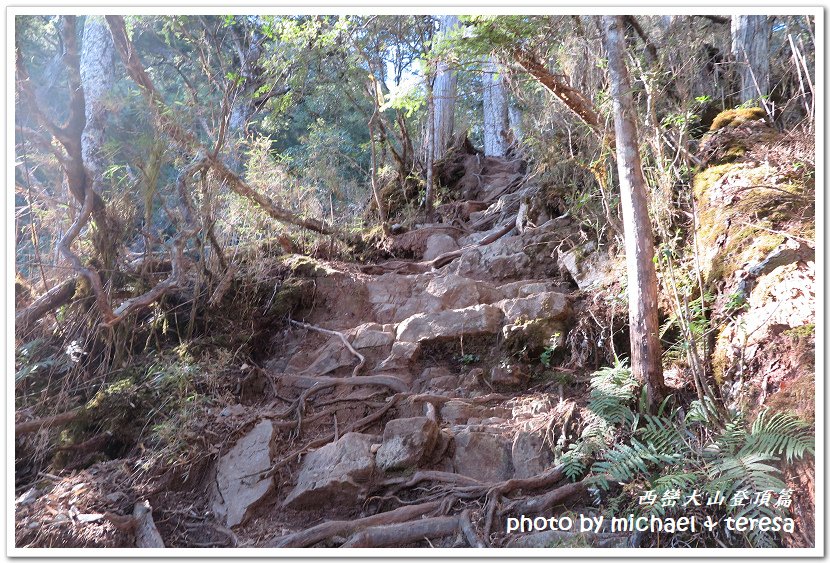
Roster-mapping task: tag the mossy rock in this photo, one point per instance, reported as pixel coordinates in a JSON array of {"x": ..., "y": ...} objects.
[
  {"x": 294, "y": 294},
  {"x": 306, "y": 267},
  {"x": 735, "y": 117}
]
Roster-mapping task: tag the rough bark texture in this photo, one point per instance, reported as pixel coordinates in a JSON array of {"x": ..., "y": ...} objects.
[
  {"x": 444, "y": 92},
  {"x": 97, "y": 75},
  {"x": 496, "y": 121},
  {"x": 639, "y": 241},
  {"x": 750, "y": 49}
]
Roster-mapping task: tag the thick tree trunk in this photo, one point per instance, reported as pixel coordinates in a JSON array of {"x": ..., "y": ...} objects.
[
  {"x": 496, "y": 120},
  {"x": 750, "y": 49},
  {"x": 639, "y": 242},
  {"x": 97, "y": 76},
  {"x": 445, "y": 90}
]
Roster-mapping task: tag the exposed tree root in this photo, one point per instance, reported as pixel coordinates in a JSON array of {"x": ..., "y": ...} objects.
[
  {"x": 405, "y": 533},
  {"x": 316, "y": 534},
  {"x": 346, "y": 343},
  {"x": 541, "y": 503}
]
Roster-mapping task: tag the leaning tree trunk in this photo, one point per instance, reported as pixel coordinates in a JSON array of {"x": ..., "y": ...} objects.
[
  {"x": 496, "y": 124},
  {"x": 443, "y": 95},
  {"x": 639, "y": 241},
  {"x": 750, "y": 49}
]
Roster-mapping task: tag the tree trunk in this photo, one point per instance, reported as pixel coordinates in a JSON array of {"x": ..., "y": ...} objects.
[
  {"x": 496, "y": 121},
  {"x": 750, "y": 49},
  {"x": 639, "y": 242},
  {"x": 444, "y": 93},
  {"x": 430, "y": 152},
  {"x": 97, "y": 76},
  {"x": 515, "y": 116}
]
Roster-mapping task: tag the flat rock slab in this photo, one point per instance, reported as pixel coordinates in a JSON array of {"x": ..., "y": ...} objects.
[
  {"x": 482, "y": 456},
  {"x": 238, "y": 486},
  {"x": 479, "y": 319},
  {"x": 334, "y": 474},
  {"x": 531, "y": 454},
  {"x": 550, "y": 305},
  {"x": 406, "y": 442}
]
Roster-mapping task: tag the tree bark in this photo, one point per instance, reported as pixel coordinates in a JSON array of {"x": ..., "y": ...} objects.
[
  {"x": 496, "y": 120},
  {"x": 639, "y": 241},
  {"x": 515, "y": 117},
  {"x": 444, "y": 93},
  {"x": 97, "y": 76},
  {"x": 573, "y": 99},
  {"x": 430, "y": 152},
  {"x": 750, "y": 49}
]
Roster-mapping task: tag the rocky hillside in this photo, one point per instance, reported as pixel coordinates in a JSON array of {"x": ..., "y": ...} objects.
[{"x": 423, "y": 399}]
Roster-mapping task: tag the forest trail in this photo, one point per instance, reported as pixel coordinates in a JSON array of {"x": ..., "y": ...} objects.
[{"x": 405, "y": 389}]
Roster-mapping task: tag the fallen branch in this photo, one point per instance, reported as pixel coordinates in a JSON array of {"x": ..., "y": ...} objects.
[
  {"x": 56, "y": 420},
  {"x": 346, "y": 343},
  {"x": 399, "y": 535},
  {"x": 318, "y": 533},
  {"x": 49, "y": 301}
]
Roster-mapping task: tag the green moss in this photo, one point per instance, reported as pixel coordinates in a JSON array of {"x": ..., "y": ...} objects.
[
  {"x": 735, "y": 117},
  {"x": 305, "y": 267},
  {"x": 293, "y": 294},
  {"x": 803, "y": 331}
]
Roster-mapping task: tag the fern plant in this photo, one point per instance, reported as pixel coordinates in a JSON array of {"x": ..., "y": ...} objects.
[{"x": 673, "y": 451}]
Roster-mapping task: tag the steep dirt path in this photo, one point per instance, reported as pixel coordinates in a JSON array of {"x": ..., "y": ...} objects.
[{"x": 410, "y": 404}]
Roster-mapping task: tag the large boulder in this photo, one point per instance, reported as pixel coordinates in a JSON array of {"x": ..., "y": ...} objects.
[
  {"x": 438, "y": 244},
  {"x": 531, "y": 454},
  {"x": 238, "y": 485},
  {"x": 479, "y": 319},
  {"x": 406, "y": 442},
  {"x": 482, "y": 456},
  {"x": 586, "y": 265},
  {"x": 336, "y": 473},
  {"x": 551, "y": 305}
]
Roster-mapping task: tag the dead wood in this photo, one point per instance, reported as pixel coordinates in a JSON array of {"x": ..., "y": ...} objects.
[
  {"x": 398, "y": 535},
  {"x": 56, "y": 420},
  {"x": 146, "y": 533},
  {"x": 49, "y": 301},
  {"x": 573, "y": 99},
  {"x": 320, "y": 532}
]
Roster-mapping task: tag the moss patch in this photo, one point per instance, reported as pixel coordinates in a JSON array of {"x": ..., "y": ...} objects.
[{"x": 735, "y": 117}]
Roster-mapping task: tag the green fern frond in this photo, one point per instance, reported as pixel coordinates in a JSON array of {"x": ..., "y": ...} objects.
[{"x": 779, "y": 433}]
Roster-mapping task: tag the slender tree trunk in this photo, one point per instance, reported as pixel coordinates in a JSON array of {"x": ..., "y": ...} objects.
[
  {"x": 445, "y": 91},
  {"x": 639, "y": 241},
  {"x": 750, "y": 49},
  {"x": 430, "y": 146},
  {"x": 496, "y": 120},
  {"x": 515, "y": 117}
]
